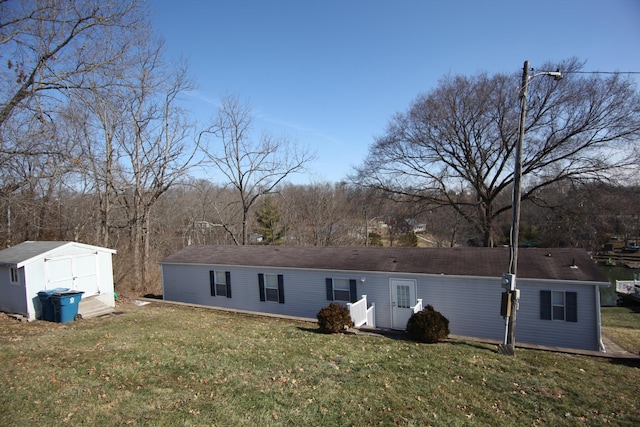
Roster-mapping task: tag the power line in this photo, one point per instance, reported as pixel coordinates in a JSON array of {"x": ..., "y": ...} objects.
[{"x": 601, "y": 72}]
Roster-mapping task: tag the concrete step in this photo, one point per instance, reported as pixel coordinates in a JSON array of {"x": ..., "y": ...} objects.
[{"x": 93, "y": 307}]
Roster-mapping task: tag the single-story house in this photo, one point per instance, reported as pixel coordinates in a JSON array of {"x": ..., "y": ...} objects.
[
  {"x": 31, "y": 267},
  {"x": 559, "y": 288}
]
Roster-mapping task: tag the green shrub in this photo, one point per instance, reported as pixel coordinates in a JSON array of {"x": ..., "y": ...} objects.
[
  {"x": 428, "y": 326},
  {"x": 334, "y": 318}
]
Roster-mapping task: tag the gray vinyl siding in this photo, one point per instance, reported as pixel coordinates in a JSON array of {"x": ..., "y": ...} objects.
[
  {"x": 304, "y": 291},
  {"x": 472, "y": 304},
  {"x": 14, "y": 297},
  {"x": 530, "y": 328}
]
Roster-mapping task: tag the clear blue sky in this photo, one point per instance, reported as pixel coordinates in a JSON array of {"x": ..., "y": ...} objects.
[{"x": 331, "y": 73}]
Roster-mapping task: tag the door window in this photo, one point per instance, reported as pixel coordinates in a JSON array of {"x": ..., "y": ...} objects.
[{"x": 402, "y": 296}]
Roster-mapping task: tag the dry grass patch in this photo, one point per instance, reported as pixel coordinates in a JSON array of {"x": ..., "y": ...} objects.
[
  {"x": 622, "y": 325},
  {"x": 165, "y": 365}
]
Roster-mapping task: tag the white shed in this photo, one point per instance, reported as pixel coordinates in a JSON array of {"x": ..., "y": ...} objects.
[{"x": 31, "y": 267}]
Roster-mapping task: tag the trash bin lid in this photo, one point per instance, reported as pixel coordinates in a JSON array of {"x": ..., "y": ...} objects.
[
  {"x": 53, "y": 291},
  {"x": 67, "y": 293}
]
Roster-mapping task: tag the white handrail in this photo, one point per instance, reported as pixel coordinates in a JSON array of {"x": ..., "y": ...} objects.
[
  {"x": 418, "y": 307},
  {"x": 361, "y": 314},
  {"x": 371, "y": 315}
]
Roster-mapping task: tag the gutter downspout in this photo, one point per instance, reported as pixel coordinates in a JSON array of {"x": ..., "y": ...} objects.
[
  {"x": 162, "y": 279},
  {"x": 22, "y": 281},
  {"x": 598, "y": 321}
]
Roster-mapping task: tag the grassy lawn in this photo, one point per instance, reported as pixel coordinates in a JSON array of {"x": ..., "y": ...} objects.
[
  {"x": 622, "y": 324},
  {"x": 167, "y": 365}
]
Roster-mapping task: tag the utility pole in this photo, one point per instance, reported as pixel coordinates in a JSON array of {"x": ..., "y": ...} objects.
[
  {"x": 512, "y": 294},
  {"x": 509, "y": 281},
  {"x": 366, "y": 228}
]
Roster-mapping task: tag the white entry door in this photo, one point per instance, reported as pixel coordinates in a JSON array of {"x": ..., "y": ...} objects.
[{"x": 403, "y": 297}]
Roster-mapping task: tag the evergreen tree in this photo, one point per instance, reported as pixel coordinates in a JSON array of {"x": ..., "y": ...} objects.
[
  {"x": 409, "y": 240},
  {"x": 269, "y": 225},
  {"x": 375, "y": 239}
]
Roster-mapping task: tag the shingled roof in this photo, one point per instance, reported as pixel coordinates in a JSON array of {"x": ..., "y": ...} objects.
[
  {"x": 556, "y": 264},
  {"x": 27, "y": 250}
]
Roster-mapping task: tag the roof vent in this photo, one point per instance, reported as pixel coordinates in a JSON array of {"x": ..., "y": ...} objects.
[{"x": 573, "y": 264}]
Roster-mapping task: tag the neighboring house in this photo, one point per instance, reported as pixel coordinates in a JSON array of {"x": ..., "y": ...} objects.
[
  {"x": 415, "y": 226},
  {"x": 420, "y": 228},
  {"x": 31, "y": 267},
  {"x": 559, "y": 288}
]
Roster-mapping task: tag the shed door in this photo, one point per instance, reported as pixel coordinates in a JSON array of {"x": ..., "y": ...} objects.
[
  {"x": 403, "y": 297},
  {"x": 59, "y": 272},
  {"x": 77, "y": 272},
  {"x": 85, "y": 270}
]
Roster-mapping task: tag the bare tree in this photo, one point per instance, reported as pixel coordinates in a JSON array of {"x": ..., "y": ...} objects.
[
  {"x": 324, "y": 214},
  {"x": 252, "y": 167},
  {"x": 49, "y": 47},
  {"x": 156, "y": 150},
  {"x": 33, "y": 177},
  {"x": 320, "y": 214},
  {"x": 465, "y": 131}
]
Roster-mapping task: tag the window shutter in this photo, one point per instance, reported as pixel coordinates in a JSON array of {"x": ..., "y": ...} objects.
[
  {"x": 353, "y": 290},
  {"x": 261, "y": 286},
  {"x": 545, "y": 305},
  {"x": 227, "y": 275},
  {"x": 571, "y": 306},
  {"x": 212, "y": 281},
  {"x": 329, "y": 282},
  {"x": 280, "y": 288}
]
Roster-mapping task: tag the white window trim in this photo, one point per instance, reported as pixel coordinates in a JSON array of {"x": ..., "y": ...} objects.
[
  {"x": 347, "y": 290},
  {"x": 554, "y": 306},
  {"x": 14, "y": 276},
  {"x": 267, "y": 286},
  {"x": 217, "y": 275},
  {"x": 569, "y": 313}
]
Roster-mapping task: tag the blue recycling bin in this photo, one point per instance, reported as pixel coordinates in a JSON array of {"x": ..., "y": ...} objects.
[
  {"x": 47, "y": 304},
  {"x": 65, "y": 305}
]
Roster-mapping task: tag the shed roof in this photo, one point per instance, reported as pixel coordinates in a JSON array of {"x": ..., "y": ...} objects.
[
  {"x": 28, "y": 250},
  {"x": 534, "y": 263}
]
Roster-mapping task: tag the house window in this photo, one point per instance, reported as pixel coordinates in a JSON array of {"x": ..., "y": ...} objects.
[
  {"x": 220, "y": 282},
  {"x": 559, "y": 305},
  {"x": 14, "y": 275},
  {"x": 271, "y": 287},
  {"x": 341, "y": 289}
]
